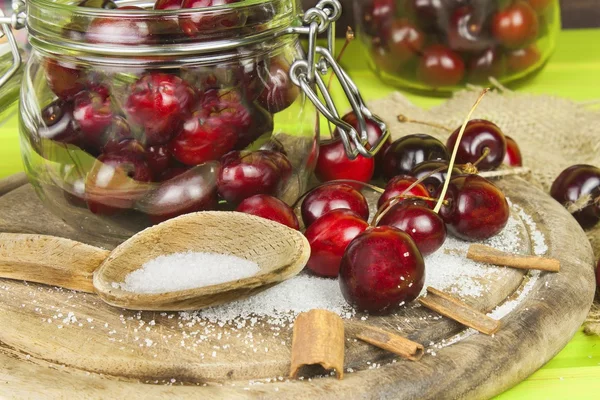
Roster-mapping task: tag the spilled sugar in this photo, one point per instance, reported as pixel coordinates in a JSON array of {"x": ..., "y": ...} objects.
[{"x": 181, "y": 271}]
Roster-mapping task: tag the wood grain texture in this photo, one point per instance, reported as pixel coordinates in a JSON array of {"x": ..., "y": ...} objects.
[{"x": 36, "y": 357}]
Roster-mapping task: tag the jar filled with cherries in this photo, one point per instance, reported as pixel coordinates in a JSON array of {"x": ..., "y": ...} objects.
[
  {"x": 441, "y": 45},
  {"x": 135, "y": 112}
]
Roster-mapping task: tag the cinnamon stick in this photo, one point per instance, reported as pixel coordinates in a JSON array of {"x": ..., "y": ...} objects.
[
  {"x": 391, "y": 342},
  {"x": 489, "y": 255},
  {"x": 451, "y": 307},
  {"x": 318, "y": 339}
]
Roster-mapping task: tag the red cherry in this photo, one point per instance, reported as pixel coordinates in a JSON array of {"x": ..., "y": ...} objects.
[
  {"x": 203, "y": 22},
  {"x": 433, "y": 180},
  {"x": 282, "y": 162},
  {"x": 439, "y": 66},
  {"x": 279, "y": 92},
  {"x": 574, "y": 183},
  {"x": 377, "y": 14},
  {"x": 479, "y": 135},
  {"x": 490, "y": 63},
  {"x": 466, "y": 31},
  {"x": 334, "y": 164},
  {"x": 158, "y": 103},
  {"x": 115, "y": 183},
  {"x": 244, "y": 175},
  {"x": 424, "y": 226},
  {"x": 168, "y": 4},
  {"x": 261, "y": 124},
  {"x": 522, "y": 59},
  {"x": 58, "y": 123},
  {"x": 125, "y": 147},
  {"x": 477, "y": 209},
  {"x": 190, "y": 191},
  {"x": 404, "y": 40},
  {"x": 426, "y": 12},
  {"x": 158, "y": 159},
  {"x": 122, "y": 30},
  {"x": 333, "y": 196},
  {"x": 513, "y": 156},
  {"x": 516, "y": 26},
  {"x": 92, "y": 112},
  {"x": 65, "y": 79},
  {"x": 382, "y": 269},
  {"x": 269, "y": 207},
  {"x": 328, "y": 237},
  {"x": 405, "y": 153},
  {"x": 398, "y": 185}
]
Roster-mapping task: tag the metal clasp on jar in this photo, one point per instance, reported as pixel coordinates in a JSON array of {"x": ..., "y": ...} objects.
[
  {"x": 16, "y": 21},
  {"x": 307, "y": 75}
]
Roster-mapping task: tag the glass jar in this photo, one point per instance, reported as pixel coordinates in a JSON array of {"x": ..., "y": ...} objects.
[
  {"x": 441, "y": 45},
  {"x": 131, "y": 116}
]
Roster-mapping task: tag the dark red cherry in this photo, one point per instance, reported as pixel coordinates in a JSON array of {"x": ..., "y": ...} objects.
[
  {"x": 282, "y": 162},
  {"x": 405, "y": 153},
  {"x": 244, "y": 175},
  {"x": 436, "y": 179},
  {"x": 333, "y": 196},
  {"x": 479, "y": 135},
  {"x": 104, "y": 4},
  {"x": 490, "y": 63},
  {"x": 377, "y": 14},
  {"x": 477, "y": 209},
  {"x": 93, "y": 114},
  {"x": 261, "y": 124},
  {"x": 159, "y": 103},
  {"x": 334, "y": 164},
  {"x": 58, "y": 124},
  {"x": 397, "y": 186},
  {"x": 121, "y": 30},
  {"x": 467, "y": 31},
  {"x": 203, "y": 140},
  {"x": 279, "y": 92},
  {"x": 513, "y": 156},
  {"x": 523, "y": 59},
  {"x": 515, "y": 26},
  {"x": 575, "y": 183},
  {"x": 381, "y": 270},
  {"x": 269, "y": 207},
  {"x": 115, "y": 183},
  {"x": 126, "y": 148},
  {"x": 404, "y": 40},
  {"x": 424, "y": 226},
  {"x": 328, "y": 237},
  {"x": 158, "y": 159},
  {"x": 65, "y": 79},
  {"x": 428, "y": 13},
  {"x": 198, "y": 23},
  {"x": 439, "y": 66},
  {"x": 190, "y": 191},
  {"x": 168, "y": 4}
]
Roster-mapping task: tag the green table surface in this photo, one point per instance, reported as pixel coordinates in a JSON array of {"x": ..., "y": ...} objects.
[{"x": 573, "y": 72}]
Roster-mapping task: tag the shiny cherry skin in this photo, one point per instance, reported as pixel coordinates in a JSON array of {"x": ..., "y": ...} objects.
[
  {"x": 203, "y": 140},
  {"x": 197, "y": 24},
  {"x": 333, "y": 196},
  {"x": 434, "y": 180},
  {"x": 426, "y": 12},
  {"x": 404, "y": 40},
  {"x": 93, "y": 114},
  {"x": 58, "y": 123},
  {"x": 575, "y": 182},
  {"x": 424, "y": 226},
  {"x": 159, "y": 103},
  {"x": 408, "y": 151},
  {"x": 168, "y": 4},
  {"x": 126, "y": 147},
  {"x": 515, "y": 26},
  {"x": 269, "y": 207},
  {"x": 523, "y": 59},
  {"x": 397, "y": 187},
  {"x": 479, "y": 135},
  {"x": 439, "y": 66},
  {"x": 189, "y": 191},
  {"x": 539, "y": 5},
  {"x": 65, "y": 79},
  {"x": 328, "y": 237},
  {"x": 282, "y": 162},
  {"x": 466, "y": 31},
  {"x": 381, "y": 270},
  {"x": 489, "y": 63},
  {"x": 513, "y": 156},
  {"x": 244, "y": 175},
  {"x": 115, "y": 183},
  {"x": 278, "y": 91},
  {"x": 158, "y": 158},
  {"x": 334, "y": 164},
  {"x": 378, "y": 14},
  {"x": 477, "y": 209},
  {"x": 261, "y": 124}
]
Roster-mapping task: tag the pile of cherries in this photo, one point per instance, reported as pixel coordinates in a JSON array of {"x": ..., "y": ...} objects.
[
  {"x": 443, "y": 43},
  {"x": 169, "y": 142}
]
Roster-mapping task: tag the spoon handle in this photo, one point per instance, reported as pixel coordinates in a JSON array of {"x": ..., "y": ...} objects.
[{"x": 50, "y": 260}]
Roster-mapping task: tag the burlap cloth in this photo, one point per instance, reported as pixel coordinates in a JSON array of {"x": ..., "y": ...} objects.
[{"x": 552, "y": 133}]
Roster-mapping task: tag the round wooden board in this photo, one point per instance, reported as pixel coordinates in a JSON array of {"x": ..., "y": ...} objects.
[{"x": 100, "y": 351}]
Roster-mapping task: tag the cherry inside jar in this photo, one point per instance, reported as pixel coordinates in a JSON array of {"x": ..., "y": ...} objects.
[
  {"x": 139, "y": 112},
  {"x": 441, "y": 45}
]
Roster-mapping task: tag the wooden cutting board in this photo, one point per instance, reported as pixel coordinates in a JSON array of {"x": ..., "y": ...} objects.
[{"x": 54, "y": 343}]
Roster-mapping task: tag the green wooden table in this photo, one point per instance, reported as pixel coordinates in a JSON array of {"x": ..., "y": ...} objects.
[{"x": 573, "y": 72}]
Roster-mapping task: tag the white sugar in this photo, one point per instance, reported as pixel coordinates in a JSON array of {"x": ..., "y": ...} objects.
[{"x": 181, "y": 271}]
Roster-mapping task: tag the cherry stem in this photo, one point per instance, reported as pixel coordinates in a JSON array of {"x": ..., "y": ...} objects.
[
  {"x": 438, "y": 206},
  {"x": 404, "y": 118},
  {"x": 486, "y": 152},
  {"x": 372, "y": 187}
]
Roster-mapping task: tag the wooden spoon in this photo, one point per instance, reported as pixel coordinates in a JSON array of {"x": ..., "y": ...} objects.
[{"x": 279, "y": 251}]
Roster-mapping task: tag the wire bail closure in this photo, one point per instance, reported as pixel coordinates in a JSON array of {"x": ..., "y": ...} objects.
[
  {"x": 303, "y": 74},
  {"x": 16, "y": 21}
]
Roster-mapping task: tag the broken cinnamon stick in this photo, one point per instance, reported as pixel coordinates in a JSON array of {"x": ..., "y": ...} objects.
[
  {"x": 489, "y": 255},
  {"x": 391, "y": 342},
  {"x": 318, "y": 339},
  {"x": 451, "y": 307}
]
